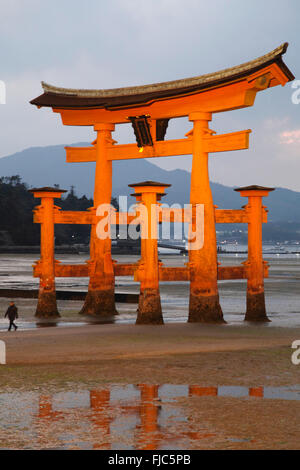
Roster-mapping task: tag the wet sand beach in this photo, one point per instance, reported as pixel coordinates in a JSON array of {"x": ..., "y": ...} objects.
[
  {"x": 88, "y": 385},
  {"x": 229, "y": 388},
  {"x": 117, "y": 342}
]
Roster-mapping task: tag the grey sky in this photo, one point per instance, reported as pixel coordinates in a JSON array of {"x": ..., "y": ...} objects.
[{"x": 115, "y": 43}]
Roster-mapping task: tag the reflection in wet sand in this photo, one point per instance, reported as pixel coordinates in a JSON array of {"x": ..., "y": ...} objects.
[
  {"x": 149, "y": 411},
  {"x": 100, "y": 402},
  {"x": 194, "y": 390},
  {"x": 46, "y": 409},
  {"x": 256, "y": 392},
  {"x": 144, "y": 417}
]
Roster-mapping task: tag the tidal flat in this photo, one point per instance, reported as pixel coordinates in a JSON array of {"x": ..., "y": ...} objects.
[{"x": 97, "y": 385}]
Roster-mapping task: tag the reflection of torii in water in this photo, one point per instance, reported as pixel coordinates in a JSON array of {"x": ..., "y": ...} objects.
[
  {"x": 101, "y": 419},
  {"x": 148, "y": 434},
  {"x": 147, "y": 409}
]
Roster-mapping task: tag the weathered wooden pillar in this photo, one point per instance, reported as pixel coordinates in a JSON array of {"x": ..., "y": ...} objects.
[
  {"x": 256, "y": 308},
  {"x": 46, "y": 306},
  {"x": 100, "y": 299},
  {"x": 149, "y": 310},
  {"x": 204, "y": 297}
]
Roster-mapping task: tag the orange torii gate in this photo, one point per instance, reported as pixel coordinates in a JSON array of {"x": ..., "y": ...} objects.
[{"x": 149, "y": 108}]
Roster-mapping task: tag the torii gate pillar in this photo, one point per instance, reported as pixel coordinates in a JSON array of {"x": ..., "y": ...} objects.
[
  {"x": 147, "y": 194},
  {"x": 204, "y": 297},
  {"x": 47, "y": 306},
  {"x": 256, "y": 308},
  {"x": 100, "y": 299}
]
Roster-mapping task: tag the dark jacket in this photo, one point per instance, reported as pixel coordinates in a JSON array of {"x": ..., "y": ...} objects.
[{"x": 12, "y": 312}]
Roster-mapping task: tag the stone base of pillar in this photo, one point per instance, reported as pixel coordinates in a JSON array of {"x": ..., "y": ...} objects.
[
  {"x": 100, "y": 303},
  {"x": 256, "y": 308},
  {"x": 205, "y": 309},
  {"x": 149, "y": 311},
  {"x": 47, "y": 307}
]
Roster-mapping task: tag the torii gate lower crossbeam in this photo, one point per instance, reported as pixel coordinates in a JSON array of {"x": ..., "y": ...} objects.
[{"x": 149, "y": 271}]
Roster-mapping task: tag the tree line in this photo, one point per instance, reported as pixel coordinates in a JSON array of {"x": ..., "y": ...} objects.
[{"x": 16, "y": 214}]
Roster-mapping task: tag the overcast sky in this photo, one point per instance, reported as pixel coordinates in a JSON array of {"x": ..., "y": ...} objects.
[{"x": 116, "y": 43}]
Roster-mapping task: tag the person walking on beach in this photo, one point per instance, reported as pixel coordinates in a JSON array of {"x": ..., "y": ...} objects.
[{"x": 12, "y": 314}]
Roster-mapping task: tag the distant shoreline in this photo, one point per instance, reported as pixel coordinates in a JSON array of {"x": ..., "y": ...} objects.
[{"x": 19, "y": 250}]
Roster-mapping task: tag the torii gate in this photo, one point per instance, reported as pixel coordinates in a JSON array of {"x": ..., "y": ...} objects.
[{"x": 149, "y": 109}]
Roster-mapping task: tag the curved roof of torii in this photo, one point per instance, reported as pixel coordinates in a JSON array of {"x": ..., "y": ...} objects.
[{"x": 67, "y": 98}]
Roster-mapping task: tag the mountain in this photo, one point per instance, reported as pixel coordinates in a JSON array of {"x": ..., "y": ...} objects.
[{"x": 46, "y": 166}]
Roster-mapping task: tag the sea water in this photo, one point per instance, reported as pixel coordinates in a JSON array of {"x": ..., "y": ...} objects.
[{"x": 282, "y": 290}]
